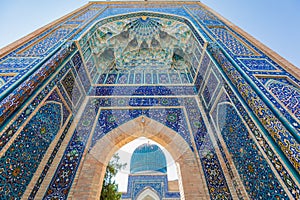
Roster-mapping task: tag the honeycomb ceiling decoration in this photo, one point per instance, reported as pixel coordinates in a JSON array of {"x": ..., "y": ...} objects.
[{"x": 142, "y": 43}]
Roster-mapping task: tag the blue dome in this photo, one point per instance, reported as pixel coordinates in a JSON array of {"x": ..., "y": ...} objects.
[{"x": 148, "y": 158}]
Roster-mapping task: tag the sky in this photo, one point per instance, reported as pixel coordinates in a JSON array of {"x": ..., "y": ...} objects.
[{"x": 275, "y": 23}]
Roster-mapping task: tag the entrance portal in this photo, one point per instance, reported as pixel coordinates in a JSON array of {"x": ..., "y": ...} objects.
[{"x": 93, "y": 168}]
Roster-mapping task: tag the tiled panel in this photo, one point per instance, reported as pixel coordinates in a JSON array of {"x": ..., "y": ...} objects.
[
  {"x": 218, "y": 114},
  {"x": 40, "y": 47},
  {"x": 22, "y": 158},
  {"x": 16, "y": 62},
  {"x": 28, "y": 144},
  {"x": 282, "y": 135},
  {"x": 72, "y": 88},
  {"x": 258, "y": 64},
  {"x": 232, "y": 42},
  {"x": 25, "y": 57},
  {"x": 23, "y": 92},
  {"x": 287, "y": 94},
  {"x": 157, "y": 182},
  {"x": 210, "y": 87},
  {"x": 247, "y": 158}
]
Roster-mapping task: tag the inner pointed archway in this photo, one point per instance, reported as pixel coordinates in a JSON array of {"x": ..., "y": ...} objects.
[
  {"x": 95, "y": 161},
  {"x": 148, "y": 194}
]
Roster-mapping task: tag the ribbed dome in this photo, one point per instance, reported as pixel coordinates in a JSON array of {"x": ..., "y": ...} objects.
[{"x": 148, "y": 158}]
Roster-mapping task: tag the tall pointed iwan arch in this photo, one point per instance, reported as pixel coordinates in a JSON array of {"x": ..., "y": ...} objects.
[{"x": 227, "y": 104}]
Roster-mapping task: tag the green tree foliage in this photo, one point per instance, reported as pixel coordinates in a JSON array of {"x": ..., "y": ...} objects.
[{"x": 109, "y": 187}]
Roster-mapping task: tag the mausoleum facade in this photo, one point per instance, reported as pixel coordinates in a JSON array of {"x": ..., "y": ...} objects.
[{"x": 75, "y": 91}]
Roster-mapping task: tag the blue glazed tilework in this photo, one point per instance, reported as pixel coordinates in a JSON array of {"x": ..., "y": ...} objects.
[
  {"x": 159, "y": 183},
  {"x": 232, "y": 42},
  {"x": 210, "y": 88},
  {"x": 282, "y": 136},
  {"x": 247, "y": 158},
  {"x": 277, "y": 163},
  {"x": 287, "y": 94},
  {"x": 72, "y": 88},
  {"x": 138, "y": 13},
  {"x": 253, "y": 64},
  {"x": 38, "y": 129},
  {"x": 9, "y": 132},
  {"x": 112, "y": 10},
  {"x": 41, "y": 47},
  {"x": 16, "y": 63},
  {"x": 202, "y": 71},
  {"x": 202, "y": 13},
  {"x": 26, "y": 57},
  {"x": 258, "y": 64},
  {"x": 60, "y": 185},
  {"x": 171, "y": 117},
  {"x": 150, "y": 67},
  {"x": 87, "y": 14},
  {"x": 239, "y": 60},
  {"x": 55, "y": 97},
  {"x": 81, "y": 73},
  {"x": 269, "y": 152},
  {"x": 281, "y": 99},
  {"x": 215, "y": 178},
  {"x": 112, "y": 118},
  {"x": 6, "y": 77},
  {"x": 49, "y": 162},
  {"x": 214, "y": 115},
  {"x": 21, "y": 159},
  {"x": 141, "y": 90},
  {"x": 15, "y": 99}
]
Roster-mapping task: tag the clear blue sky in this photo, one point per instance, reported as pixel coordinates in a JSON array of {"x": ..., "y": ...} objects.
[{"x": 275, "y": 23}]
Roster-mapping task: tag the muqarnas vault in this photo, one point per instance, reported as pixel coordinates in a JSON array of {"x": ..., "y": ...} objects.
[{"x": 72, "y": 93}]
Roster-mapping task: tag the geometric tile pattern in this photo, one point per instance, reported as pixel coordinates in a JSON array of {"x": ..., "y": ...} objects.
[
  {"x": 230, "y": 41},
  {"x": 286, "y": 94},
  {"x": 210, "y": 87},
  {"x": 145, "y": 77},
  {"x": 281, "y": 135},
  {"x": 141, "y": 50},
  {"x": 280, "y": 168},
  {"x": 266, "y": 145},
  {"x": 110, "y": 119},
  {"x": 40, "y": 47},
  {"x": 49, "y": 162},
  {"x": 32, "y": 141},
  {"x": 15, "y": 99},
  {"x": 246, "y": 156},
  {"x": 142, "y": 90},
  {"x": 71, "y": 86},
  {"x": 15, "y": 63},
  {"x": 13, "y": 127},
  {"x": 257, "y": 64},
  {"x": 215, "y": 179},
  {"x": 158, "y": 182},
  {"x": 22, "y": 158}
]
